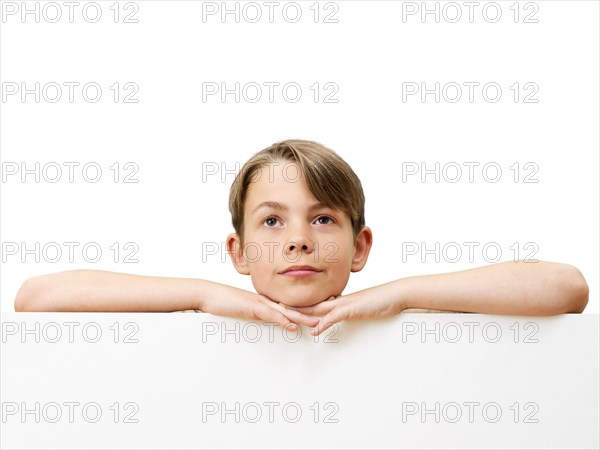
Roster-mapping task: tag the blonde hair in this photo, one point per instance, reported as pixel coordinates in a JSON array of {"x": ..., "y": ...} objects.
[{"x": 328, "y": 177}]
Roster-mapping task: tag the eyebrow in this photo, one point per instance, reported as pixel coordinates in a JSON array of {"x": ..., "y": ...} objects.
[{"x": 281, "y": 207}]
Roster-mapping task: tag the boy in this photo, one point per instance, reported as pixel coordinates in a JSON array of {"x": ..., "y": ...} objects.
[{"x": 298, "y": 214}]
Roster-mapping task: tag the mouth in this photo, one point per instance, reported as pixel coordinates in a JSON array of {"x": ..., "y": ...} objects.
[{"x": 300, "y": 271}]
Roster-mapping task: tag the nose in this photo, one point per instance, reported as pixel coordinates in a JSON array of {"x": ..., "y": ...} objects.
[
  {"x": 299, "y": 241},
  {"x": 304, "y": 245}
]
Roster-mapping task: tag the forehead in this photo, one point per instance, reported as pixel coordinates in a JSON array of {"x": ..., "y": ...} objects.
[
  {"x": 278, "y": 181},
  {"x": 282, "y": 188}
]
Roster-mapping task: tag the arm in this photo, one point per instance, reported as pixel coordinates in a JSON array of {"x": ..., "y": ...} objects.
[
  {"x": 96, "y": 290},
  {"x": 508, "y": 288},
  {"x": 524, "y": 288}
]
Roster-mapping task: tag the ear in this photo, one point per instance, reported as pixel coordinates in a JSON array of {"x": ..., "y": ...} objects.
[
  {"x": 236, "y": 252},
  {"x": 362, "y": 247}
]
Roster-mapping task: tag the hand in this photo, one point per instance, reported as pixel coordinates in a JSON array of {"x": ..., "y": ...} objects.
[
  {"x": 374, "y": 303},
  {"x": 223, "y": 300}
]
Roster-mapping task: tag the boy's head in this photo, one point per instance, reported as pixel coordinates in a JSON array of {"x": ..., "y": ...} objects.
[{"x": 297, "y": 203}]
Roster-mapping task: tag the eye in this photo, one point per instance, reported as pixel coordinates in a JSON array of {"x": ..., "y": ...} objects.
[
  {"x": 326, "y": 218},
  {"x": 270, "y": 221}
]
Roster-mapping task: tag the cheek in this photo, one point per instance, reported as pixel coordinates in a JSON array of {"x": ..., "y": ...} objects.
[
  {"x": 261, "y": 279},
  {"x": 252, "y": 253},
  {"x": 340, "y": 254},
  {"x": 261, "y": 266}
]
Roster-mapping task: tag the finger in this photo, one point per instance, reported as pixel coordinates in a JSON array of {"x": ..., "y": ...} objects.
[
  {"x": 268, "y": 314},
  {"x": 335, "y": 316},
  {"x": 271, "y": 303},
  {"x": 294, "y": 316},
  {"x": 300, "y": 318}
]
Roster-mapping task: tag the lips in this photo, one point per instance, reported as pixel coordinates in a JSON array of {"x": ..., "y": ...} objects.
[{"x": 300, "y": 270}]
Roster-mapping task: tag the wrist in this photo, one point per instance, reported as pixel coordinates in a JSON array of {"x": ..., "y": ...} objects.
[
  {"x": 400, "y": 294},
  {"x": 199, "y": 298}
]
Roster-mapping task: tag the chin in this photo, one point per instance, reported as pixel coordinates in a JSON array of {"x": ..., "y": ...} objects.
[
  {"x": 299, "y": 300},
  {"x": 304, "y": 300}
]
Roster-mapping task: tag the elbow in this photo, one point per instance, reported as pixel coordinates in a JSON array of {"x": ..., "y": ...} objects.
[
  {"x": 578, "y": 292},
  {"x": 29, "y": 296}
]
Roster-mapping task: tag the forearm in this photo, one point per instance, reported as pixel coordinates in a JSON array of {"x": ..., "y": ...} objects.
[
  {"x": 95, "y": 290},
  {"x": 534, "y": 289}
]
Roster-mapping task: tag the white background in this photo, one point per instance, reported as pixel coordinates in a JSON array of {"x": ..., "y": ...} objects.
[
  {"x": 170, "y": 365},
  {"x": 170, "y": 213}
]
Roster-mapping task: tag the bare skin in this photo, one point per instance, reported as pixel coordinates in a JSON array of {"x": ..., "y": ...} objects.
[{"x": 294, "y": 229}]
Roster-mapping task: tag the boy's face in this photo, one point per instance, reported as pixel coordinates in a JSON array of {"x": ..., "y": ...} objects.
[{"x": 285, "y": 226}]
